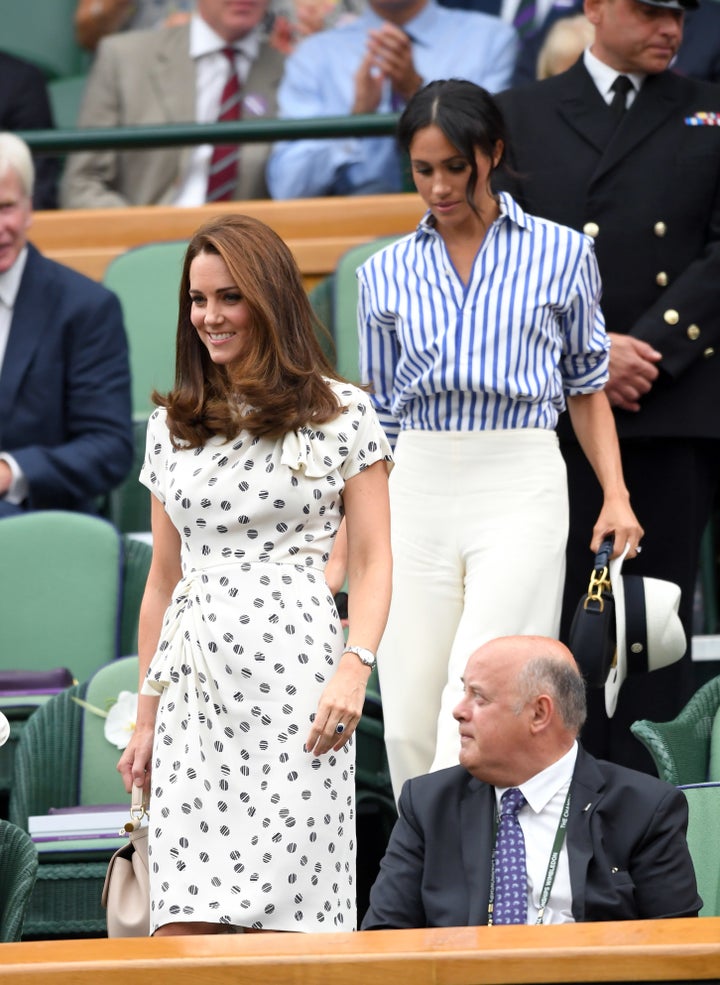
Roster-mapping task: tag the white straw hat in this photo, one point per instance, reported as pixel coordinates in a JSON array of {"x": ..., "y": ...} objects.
[{"x": 649, "y": 632}]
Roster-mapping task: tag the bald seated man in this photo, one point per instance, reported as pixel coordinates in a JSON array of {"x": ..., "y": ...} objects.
[{"x": 622, "y": 852}]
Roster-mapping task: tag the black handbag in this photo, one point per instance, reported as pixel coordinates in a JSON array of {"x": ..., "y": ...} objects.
[{"x": 593, "y": 637}]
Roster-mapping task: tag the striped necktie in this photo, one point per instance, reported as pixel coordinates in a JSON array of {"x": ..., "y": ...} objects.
[{"x": 223, "y": 173}]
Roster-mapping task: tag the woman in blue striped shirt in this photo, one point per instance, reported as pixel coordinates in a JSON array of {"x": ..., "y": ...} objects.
[{"x": 476, "y": 331}]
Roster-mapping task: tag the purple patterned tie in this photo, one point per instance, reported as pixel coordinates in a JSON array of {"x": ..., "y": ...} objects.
[
  {"x": 510, "y": 903},
  {"x": 524, "y": 19}
]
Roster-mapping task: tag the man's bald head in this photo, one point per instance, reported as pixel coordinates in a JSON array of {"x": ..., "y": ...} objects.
[{"x": 523, "y": 707}]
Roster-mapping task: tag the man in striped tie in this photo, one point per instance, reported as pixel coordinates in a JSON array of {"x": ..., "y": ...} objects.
[
  {"x": 221, "y": 66},
  {"x": 530, "y": 828}
]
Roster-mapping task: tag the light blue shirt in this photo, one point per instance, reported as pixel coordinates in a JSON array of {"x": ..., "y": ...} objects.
[
  {"x": 500, "y": 352},
  {"x": 319, "y": 81}
]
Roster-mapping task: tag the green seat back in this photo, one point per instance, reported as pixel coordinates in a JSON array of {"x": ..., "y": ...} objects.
[
  {"x": 65, "y": 98},
  {"x": 714, "y": 764},
  {"x": 703, "y": 837},
  {"x": 345, "y": 302},
  {"x": 138, "y": 555},
  {"x": 43, "y": 32},
  {"x": 147, "y": 281},
  {"x": 129, "y": 503},
  {"x": 59, "y": 592},
  {"x": 100, "y": 783},
  {"x": 321, "y": 299},
  {"x": 681, "y": 748},
  {"x": 18, "y": 870}
]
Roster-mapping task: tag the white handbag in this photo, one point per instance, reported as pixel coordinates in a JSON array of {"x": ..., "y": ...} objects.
[{"x": 126, "y": 893}]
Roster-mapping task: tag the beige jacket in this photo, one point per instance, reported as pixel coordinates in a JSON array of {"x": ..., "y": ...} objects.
[{"x": 142, "y": 78}]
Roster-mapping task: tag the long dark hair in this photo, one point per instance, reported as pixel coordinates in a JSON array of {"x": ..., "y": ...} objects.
[
  {"x": 280, "y": 383},
  {"x": 465, "y": 113}
]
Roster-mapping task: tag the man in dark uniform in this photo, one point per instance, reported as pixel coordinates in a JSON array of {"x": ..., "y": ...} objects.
[{"x": 636, "y": 165}]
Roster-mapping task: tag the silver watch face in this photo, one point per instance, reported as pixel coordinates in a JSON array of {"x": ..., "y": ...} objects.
[{"x": 366, "y": 656}]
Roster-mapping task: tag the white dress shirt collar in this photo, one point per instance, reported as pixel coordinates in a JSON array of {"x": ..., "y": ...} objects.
[
  {"x": 603, "y": 76},
  {"x": 541, "y": 788},
  {"x": 204, "y": 41},
  {"x": 10, "y": 279},
  {"x": 9, "y": 287}
]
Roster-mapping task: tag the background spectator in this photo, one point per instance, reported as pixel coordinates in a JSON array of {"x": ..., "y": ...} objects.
[
  {"x": 698, "y": 56},
  {"x": 96, "y": 18},
  {"x": 65, "y": 422},
  {"x": 564, "y": 43},
  {"x": 375, "y": 64},
  {"x": 24, "y": 105},
  {"x": 174, "y": 75}
]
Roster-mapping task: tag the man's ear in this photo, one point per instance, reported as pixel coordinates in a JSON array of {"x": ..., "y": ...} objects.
[
  {"x": 592, "y": 10},
  {"x": 541, "y": 712}
]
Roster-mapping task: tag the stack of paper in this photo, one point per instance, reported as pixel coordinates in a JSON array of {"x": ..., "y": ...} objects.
[{"x": 101, "y": 821}]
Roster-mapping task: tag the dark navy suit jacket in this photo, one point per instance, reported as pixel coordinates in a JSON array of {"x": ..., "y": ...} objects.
[
  {"x": 626, "y": 845},
  {"x": 65, "y": 411}
]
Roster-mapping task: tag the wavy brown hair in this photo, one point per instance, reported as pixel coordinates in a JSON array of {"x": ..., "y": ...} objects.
[{"x": 280, "y": 383}]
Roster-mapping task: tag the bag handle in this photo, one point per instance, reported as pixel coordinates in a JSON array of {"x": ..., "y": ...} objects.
[
  {"x": 138, "y": 809},
  {"x": 600, "y": 577}
]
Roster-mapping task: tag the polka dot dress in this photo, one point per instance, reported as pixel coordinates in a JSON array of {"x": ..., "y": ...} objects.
[{"x": 245, "y": 827}]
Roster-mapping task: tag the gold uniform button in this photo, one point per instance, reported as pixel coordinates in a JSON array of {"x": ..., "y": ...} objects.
[
  {"x": 671, "y": 316},
  {"x": 661, "y": 279},
  {"x": 709, "y": 352},
  {"x": 591, "y": 229},
  {"x": 693, "y": 332},
  {"x": 659, "y": 228}
]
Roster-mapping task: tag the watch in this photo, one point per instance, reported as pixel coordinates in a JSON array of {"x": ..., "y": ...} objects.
[{"x": 366, "y": 656}]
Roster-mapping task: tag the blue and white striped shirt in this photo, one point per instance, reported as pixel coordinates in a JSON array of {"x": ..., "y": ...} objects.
[{"x": 501, "y": 352}]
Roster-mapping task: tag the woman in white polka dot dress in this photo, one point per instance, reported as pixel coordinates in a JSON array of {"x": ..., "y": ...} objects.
[{"x": 249, "y": 693}]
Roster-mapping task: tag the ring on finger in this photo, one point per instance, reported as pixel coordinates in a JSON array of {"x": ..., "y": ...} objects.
[{"x": 339, "y": 728}]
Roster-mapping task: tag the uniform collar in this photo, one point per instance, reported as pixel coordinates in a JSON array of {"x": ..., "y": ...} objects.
[{"x": 603, "y": 76}]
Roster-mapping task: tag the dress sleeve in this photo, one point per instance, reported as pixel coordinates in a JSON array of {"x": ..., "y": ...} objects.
[
  {"x": 366, "y": 440},
  {"x": 157, "y": 445}
]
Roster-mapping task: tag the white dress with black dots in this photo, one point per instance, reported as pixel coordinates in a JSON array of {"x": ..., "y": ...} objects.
[{"x": 246, "y": 828}]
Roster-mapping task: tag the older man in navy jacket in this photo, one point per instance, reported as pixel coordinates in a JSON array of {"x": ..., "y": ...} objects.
[{"x": 65, "y": 413}]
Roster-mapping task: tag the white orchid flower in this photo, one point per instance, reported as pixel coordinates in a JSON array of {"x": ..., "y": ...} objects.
[{"x": 120, "y": 721}]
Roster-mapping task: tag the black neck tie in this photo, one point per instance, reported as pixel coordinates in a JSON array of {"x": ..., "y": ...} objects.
[{"x": 621, "y": 87}]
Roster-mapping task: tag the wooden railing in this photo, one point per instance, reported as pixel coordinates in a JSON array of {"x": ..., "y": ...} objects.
[
  {"x": 638, "y": 951},
  {"x": 318, "y": 231}
]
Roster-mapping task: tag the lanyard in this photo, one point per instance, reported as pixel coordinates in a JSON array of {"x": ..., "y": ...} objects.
[{"x": 551, "y": 868}]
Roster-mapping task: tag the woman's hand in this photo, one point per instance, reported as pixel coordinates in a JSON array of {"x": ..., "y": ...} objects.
[
  {"x": 135, "y": 763},
  {"x": 617, "y": 518},
  {"x": 341, "y": 703}
]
